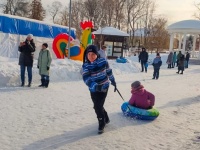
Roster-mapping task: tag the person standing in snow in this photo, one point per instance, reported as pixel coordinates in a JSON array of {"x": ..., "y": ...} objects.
[
  {"x": 141, "y": 98},
  {"x": 174, "y": 60},
  {"x": 187, "y": 59},
  {"x": 26, "y": 50},
  {"x": 181, "y": 63},
  {"x": 169, "y": 60},
  {"x": 178, "y": 58},
  {"x": 96, "y": 75},
  {"x": 157, "y": 62},
  {"x": 102, "y": 52},
  {"x": 44, "y": 62},
  {"x": 143, "y": 58}
]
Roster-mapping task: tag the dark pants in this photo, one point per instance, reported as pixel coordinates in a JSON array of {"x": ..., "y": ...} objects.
[
  {"x": 186, "y": 63},
  {"x": 169, "y": 66},
  {"x": 45, "y": 77},
  {"x": 98, "y": 99},
  {"x": 143, "y": 65},
  {"x": 173, "y": 64},
  {"x": 29, "y": 70},
  {"x": 156, "y": 73}
]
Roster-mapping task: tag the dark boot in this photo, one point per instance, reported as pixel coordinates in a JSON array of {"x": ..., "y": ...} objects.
[
  {"x": 29, "y": 84},
  {"x": 22, "y": 85},
  {"x": 181, "y": 72},
  {"x": 42, "y": 83},
  {"x": 46, "y": 83},
  {"x": 177, "y": 72},
  {"x": 101, "y": 125},
  {"x": 107, "y": 120}
]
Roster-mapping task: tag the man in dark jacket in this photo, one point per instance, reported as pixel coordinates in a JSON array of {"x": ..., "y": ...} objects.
[
  {"x": 187, "y": 59},
  {"x": 143, "y": 58},
  {"x": 26, "y": 58}
]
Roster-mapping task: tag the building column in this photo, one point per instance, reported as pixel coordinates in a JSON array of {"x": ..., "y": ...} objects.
[
  {"x": 171, "y": 45},
  {"x": 194, "y": 45},
  {"x": 184, "y": 43},
  {"x": 180, "y": 42}
]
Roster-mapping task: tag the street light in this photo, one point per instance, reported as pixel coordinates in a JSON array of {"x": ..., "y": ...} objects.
[{"x": 69, "y": 29}]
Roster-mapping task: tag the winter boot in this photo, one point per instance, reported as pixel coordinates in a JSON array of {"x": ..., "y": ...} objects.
[
  {"x": 177, "y": 72},
  {"x": 107, "y": 120},
  {"x": 46, "y": 84},
  {"x": 101, "y": 125},
  {"x": 22, "y": 85},
  {"x": 29, "y": 84},
  {"x": 181, "y": 72},
  {"x": 42, "y": 83}
]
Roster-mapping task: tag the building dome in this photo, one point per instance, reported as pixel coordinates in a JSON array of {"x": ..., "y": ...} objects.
[{"x": 185, "y": 26}]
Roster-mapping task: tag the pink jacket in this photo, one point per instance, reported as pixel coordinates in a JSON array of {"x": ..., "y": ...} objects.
[{"x": 142, "y": 99}]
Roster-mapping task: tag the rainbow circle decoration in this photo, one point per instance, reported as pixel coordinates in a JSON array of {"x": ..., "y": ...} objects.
[
  {"x": 143, "y": 114},
  {"x": 60, "y": 44}
]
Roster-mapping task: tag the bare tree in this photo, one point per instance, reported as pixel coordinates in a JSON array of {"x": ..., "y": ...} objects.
[
  {"x": 63, "y": 17},
  {"x": 197, "y": 14},
  {"x": 93, "y": 11},
  {"x": 16, "y": 7},
  {"x": 54, "y": 9},
  {"x": 77, "y": 16},
  {"x": 148, "y": 18},
  {"x": 118, "y": 11},
  {"x": 135, "y": 14},
  {"x": 108, "y": 13},
  {"x": 159, "y": 37},
  {"x": 37, "y": 10}
]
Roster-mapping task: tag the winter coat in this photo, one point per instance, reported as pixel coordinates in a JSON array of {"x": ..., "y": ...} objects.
[
  {"x": 97, "y": 73},
  {"x": 157, "y": 62},
  {"x": 170, "y": 58},
  {"x": 174, "y": 57},
  {"x": 143, "y": 56},
  {"x": 141, "y": 98},
  {"x": 26, "y": 55},
  {"x": 102, "y": 53},
  {"x": 179, "y": 55},
  {"x": 44, "y": 61},
  {"x": 187, "y": 57},
  {"x": 181, "y": 63}
]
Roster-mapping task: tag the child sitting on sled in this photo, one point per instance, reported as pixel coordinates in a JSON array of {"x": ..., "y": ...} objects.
[{"x": 141, "y": 98}]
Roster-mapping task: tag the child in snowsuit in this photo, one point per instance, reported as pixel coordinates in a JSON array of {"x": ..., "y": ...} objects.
[
  {"x": 96, "y": 75},
  {"x": 44, "y": 62},
  {"x": 141, "y": 98},
  {"x": 157, "y": 62},
  {"x": 181, "y": 63}
]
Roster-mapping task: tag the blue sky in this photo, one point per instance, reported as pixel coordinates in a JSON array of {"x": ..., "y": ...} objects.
[{"x": 173, "y": 10}]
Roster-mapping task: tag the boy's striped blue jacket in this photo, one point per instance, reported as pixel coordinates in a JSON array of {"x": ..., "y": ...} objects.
[{"x": 97, "y": 73}]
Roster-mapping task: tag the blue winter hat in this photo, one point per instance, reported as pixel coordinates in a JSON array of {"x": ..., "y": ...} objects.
[{"x": 90, "y": 48}]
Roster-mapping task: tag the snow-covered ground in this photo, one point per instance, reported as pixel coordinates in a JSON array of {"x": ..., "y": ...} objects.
[{"x": 61, "y": 117}]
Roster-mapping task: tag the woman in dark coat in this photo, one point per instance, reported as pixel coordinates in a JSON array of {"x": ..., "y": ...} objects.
[
  {"x": 181, "y": 63},
  {"x": 26, "y": 50}
]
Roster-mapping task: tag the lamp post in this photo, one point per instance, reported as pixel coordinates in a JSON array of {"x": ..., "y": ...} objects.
[{"x": 69, "y": 29}]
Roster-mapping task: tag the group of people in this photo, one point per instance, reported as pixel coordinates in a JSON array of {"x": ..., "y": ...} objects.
[
  {"x": 27, "y": 49},
  {"x": 97, "y": 75},
  {"x": 178, "y": 60},
  {"x": 157, "y": 62}
]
